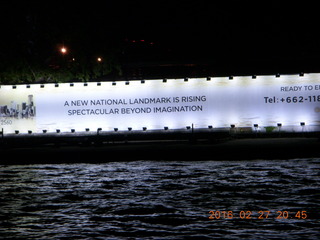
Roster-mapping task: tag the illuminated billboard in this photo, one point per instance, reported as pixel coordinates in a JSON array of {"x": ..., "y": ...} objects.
[{"x": 220, "y": 102}]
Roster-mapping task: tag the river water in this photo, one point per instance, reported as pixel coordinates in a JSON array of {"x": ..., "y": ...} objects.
[{"x": 162, "y": 200}]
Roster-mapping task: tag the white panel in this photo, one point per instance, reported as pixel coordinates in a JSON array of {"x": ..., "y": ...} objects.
[{"x": 177, "y": 103}]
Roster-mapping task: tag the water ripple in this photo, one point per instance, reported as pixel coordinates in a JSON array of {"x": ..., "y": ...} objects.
[{"x": 161, "y": 200}]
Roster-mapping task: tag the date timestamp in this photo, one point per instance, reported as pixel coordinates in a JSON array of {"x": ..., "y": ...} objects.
[{"x": 216, "y": 215}]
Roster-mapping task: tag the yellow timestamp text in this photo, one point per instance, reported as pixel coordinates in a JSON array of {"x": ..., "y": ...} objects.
[{"x": 262, "y": 214}]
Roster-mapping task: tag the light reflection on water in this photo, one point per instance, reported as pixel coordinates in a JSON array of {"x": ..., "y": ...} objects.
[{"x": 159, "y": 199}]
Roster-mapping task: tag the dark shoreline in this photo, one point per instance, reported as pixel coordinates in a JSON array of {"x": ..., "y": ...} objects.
[{"x": 220, "y": 149}]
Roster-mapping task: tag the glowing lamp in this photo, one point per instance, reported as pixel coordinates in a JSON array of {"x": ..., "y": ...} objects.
[{"x": 63, "y": 50}]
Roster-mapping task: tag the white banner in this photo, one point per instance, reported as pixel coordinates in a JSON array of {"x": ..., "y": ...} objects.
[{"x": 220, "y": 102}]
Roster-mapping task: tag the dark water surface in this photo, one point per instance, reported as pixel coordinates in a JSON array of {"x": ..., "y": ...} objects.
[{"x": 162, "y": 200}]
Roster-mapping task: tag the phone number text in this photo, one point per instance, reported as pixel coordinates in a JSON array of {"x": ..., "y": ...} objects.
[{"x": 295, "y": 99}]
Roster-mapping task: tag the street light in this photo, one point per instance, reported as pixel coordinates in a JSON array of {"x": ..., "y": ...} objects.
[{"x": 63, "y": 50}]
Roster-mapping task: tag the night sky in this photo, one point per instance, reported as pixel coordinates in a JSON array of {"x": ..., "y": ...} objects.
[{"x": 230, "y": 38}]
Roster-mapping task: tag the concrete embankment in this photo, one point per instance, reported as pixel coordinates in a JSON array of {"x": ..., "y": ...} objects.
[{"x": 222, "y": 149}]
